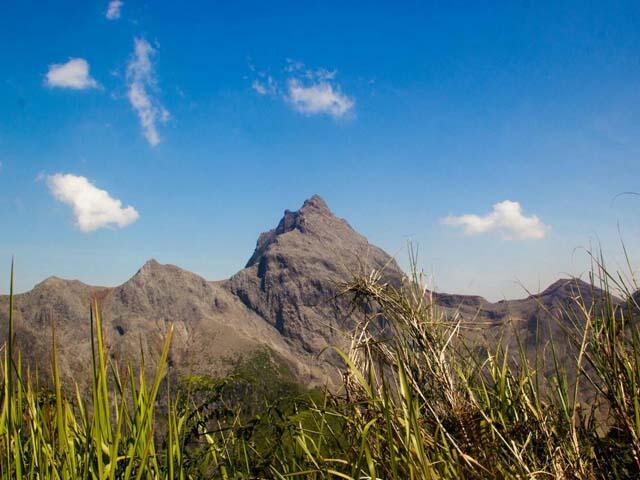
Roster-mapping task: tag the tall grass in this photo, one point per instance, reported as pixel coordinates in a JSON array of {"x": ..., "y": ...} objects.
[
  {"x": 118, "y": 432},
  {"x": 52, "y": 436},
  {"x": 422, "y": 403},
  {"x": 419, "y": 402}
]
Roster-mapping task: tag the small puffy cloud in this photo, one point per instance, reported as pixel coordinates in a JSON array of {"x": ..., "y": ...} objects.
[
  {"x": 113, "y": 10},
  {"x": 308, "y": 91},
  {"x": 318, "y": 98},
  {"x": 73, "y": 74},
  {"x": 92, "y": 207},
  {"x": 506, "y": 218},
  {"x": 142, "y": 83}
]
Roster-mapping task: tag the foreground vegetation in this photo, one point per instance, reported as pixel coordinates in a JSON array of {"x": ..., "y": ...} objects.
[{"x": 417, "y": 403}]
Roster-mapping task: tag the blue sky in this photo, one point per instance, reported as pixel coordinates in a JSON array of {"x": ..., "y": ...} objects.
[{"x": 411, "y": 119}]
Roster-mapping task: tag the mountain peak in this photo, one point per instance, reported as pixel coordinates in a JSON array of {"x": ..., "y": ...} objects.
[
  {"x": 150, "y": 264},
  {"x": 297, "y": 220},
  {"x": 571, "y": 288},
  {"x": 153, "y": 268},
  {"x": 49, "y": 282},
  {"x": 567, "y": 286},
  {"x": 315, "y": 202},
  {"x": 312, "y": 210}
]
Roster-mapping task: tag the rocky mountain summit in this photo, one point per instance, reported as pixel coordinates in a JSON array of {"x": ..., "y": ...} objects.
[
  {"x": 292, "y": 279},
  {"x": 286, "y": 300}
]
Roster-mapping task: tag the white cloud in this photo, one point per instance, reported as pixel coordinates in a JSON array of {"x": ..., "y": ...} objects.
[
  {"x": 142, "y": 83},
  {"x": 506, "y": 218},
  {"x": 265, "y": 87},
  {"x": 318, "y": 98},
  {"x": 321, "y": 74},
  {"x": 73, "y": 74},
  {"x": 92, "y": 208},
  {"x": 308, "y": 91},
  {"x": 259, "y": 87},
  {"x": 293, "y": 66},
  {"x": 113, "y": 10}
]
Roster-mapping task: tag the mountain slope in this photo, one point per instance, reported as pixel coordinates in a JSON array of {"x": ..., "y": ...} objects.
[
  {"x": 286, "y": 300},
  {"x": 211, "y": 326},
  {"x": 292, "y": 279}
]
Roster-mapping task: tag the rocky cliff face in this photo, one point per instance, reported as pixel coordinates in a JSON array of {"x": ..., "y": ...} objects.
[
  {"x": 211, "y": 326},
  {"x": 285, "y": 300},
  {"x": 293, "y": 278}
]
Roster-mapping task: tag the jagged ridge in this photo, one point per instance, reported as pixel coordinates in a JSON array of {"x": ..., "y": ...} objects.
[{"x": 284, "y": 300}]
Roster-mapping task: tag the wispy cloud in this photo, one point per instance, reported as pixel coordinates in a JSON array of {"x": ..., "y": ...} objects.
[
  {"x": 266, "y": 86},
  {"x": 308, "y": 91},
  {"x": 113, "y": 10},
  {"x": 506, "y": 218},
  {"x": 142, "y": 83},
  {"x": 74, "y": 74},
  {"x": 92, "y": 207}
]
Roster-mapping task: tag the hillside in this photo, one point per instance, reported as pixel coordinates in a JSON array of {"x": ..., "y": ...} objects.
[{"x": 285, "y": 300}]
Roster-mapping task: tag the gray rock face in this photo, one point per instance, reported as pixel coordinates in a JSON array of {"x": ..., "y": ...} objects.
[
  {"x": 286, "y": 300},
  {"x": 292, "y": 279},
  {"x": 211, "y": 326},
  {"x": 282, "y": 301}
]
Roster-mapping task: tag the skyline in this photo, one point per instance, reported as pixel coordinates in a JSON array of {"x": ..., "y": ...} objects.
[{"x": 498, "y": 140}]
